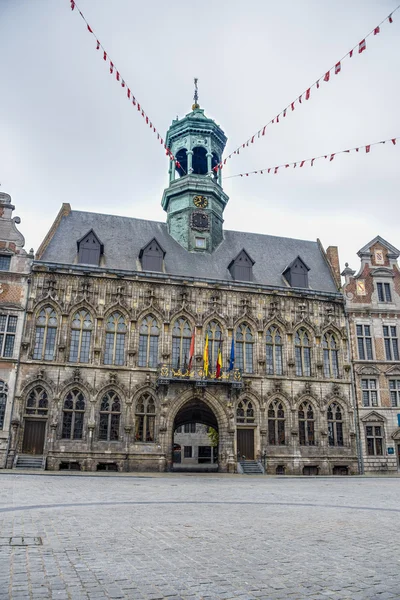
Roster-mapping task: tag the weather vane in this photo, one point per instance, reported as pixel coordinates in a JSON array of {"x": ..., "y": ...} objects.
[{"x": 196, "y": 95}]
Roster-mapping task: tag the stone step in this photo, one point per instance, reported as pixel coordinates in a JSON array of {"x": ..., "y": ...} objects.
[
  {"x": 26, "y": 461},
  {"x": 251, "y": 467}
]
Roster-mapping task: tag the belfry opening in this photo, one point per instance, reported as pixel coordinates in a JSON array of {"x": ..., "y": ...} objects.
[{"x": 195, "y": 438}]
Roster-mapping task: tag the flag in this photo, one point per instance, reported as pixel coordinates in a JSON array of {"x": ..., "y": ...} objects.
[
  {"x": 219, "y": 363},
  {"x": 362, "y": 46},
  {"x": 205, "y": 357},
  {"x": 232, "y": 356},
  {"x": 191, "y": 351}
]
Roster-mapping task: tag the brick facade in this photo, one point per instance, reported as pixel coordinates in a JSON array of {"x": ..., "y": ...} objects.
[{"x": 379, "y": 366}]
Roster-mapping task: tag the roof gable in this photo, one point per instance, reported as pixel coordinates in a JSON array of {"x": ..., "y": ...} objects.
[
  {"x": 366, "y": 249},
  {"x": 148, "y": 247},
  {"x": 88, "y": 234}
]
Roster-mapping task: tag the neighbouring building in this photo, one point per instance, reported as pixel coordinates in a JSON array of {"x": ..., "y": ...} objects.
[
  {"x": 373, "y": 307},
  {"x": 14, "y": 274},
  {"x": 115, "y": 305}
]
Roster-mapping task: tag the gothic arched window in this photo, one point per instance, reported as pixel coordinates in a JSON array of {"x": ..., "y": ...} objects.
[
  {"x": 331, "y": 360},
  {"x": 181, "y": 337},
  {"x": 37, "y": 402},
  {"x": 335, "y": 425},
  {"x": 149, "y": 334},
  {"x": 110, "y": 413},
  {"x": 214, "y": 333},
  {"x": 245, "y": 412},
  {"x": 73, "y": 413},
  {"x": 306, "y": 425},
  {"x": 115, "y": 340},
  {"x": 302, "y": 353},
  {"x": 46, "y": 333},
  {"x": 81, "y": 334},
  {"x": 145, "y": 418},
  {"x": 3, "y": 402},
  {"x": 244, "y": 348},
  {"x": 274, "y": 351},
  {"x": 276, "y": 424}
]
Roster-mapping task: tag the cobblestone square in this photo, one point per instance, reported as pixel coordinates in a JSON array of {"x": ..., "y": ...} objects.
[{"x": 195, "y": 537}]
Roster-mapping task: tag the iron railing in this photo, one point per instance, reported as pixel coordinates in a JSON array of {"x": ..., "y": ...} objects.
[{"x": 168, "y": 373}]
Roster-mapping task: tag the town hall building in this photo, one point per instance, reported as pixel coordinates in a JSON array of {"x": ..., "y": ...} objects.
[{"x": 126, "y": 319}]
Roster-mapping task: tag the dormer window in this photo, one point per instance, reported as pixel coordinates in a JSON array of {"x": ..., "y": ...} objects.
[
  {"x": 241, "y": 268},
  {"x": 296, "y": 274},
  {"x": 384, "y": 292},
  {"x": 152, "y": 256},
  {"x": 89, "y": 249}
]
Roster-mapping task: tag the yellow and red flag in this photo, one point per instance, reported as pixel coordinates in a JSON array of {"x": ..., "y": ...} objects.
[
  {"x": 205, "y": 357},
  {"x": 219, "y": 363}
]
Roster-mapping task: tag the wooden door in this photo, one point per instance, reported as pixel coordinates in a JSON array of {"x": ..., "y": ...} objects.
[
  {"x": 245, "y": 443},
  {"x": 34, "y": 437}
]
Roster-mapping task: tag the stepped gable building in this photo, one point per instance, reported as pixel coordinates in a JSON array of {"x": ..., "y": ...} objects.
[
  {"x": 14, "y": 273},
  {"x": 373, "y": 307},
  {"x": 107, "y": 371}
]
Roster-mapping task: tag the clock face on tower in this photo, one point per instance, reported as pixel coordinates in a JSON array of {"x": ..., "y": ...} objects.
[
  {"x": 200, "y": 201},
  {"x": 200, "y": 221}
]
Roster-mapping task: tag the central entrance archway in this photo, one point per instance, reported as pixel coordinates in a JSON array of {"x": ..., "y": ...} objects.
[{"x": 195, "y": 438}]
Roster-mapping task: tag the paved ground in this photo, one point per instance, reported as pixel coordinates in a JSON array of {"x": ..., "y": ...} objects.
[{"x": 199, "y": 537}]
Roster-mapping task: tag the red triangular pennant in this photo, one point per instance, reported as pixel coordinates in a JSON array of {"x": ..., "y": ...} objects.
[
  {"x": 338, "y": 68},
  {"x": 327, "y": 76},
  {"x": 362, "y": 46},
  {"x": 308, "y": 92}
]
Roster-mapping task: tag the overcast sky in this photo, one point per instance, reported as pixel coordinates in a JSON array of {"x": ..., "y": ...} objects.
[{"x": 68, "y": 133}]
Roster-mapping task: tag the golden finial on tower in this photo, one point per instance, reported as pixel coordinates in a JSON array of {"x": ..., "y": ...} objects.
[{"x": 196, "y": 95}]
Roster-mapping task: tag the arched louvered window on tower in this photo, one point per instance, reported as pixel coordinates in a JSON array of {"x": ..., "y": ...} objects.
[
  {"x": 81, "y": 334},
  {"x": 306, "y": 425},
  {"x": 214, "y": 332},
  {"x": 115, "y": 340},
  {"x": 45, "y": 334},
  {"x": 145, "y": 419},
  {"x": 149, "y": 334},
  {"x": 274, "y": 351},
  {"x": 276, "y": 424},
  {"x": 110, "y": 413},
  {"x": 302, "y": 347},
  {"x": 181, "y": 338},
  {"x": 335, "y": 425},
  {"x": 73, "y": 414},
  {"x": 244, "y": 348},
  {"x": 331, "y": 355}
]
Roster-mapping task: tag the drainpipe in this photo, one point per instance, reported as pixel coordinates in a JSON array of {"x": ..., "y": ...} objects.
[
  {"x": 17, "y": 371},
  {"x": 355, "y": 404}
]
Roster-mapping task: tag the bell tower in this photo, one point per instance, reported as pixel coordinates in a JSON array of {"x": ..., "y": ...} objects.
[{"x": 194, "y": 200}]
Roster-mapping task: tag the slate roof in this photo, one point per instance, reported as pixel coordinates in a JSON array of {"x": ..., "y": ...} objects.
[{"x": 123, "y": 238}]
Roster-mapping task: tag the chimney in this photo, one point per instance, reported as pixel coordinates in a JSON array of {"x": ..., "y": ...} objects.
[{"x": 333, "y": 257}]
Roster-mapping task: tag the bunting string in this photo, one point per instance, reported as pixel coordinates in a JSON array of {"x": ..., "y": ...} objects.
[
  {"x": 120, "y": 79},
  {"x": 325, "y": 77},
  {"x": 310, "y": 161}
]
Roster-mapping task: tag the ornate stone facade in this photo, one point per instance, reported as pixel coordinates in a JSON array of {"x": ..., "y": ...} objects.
[
  {"x": 14, "y": 273},
  {"x": 125, "y": 315},
  {"x": 67, "y": 293},
  {"x": 373, "y": 307}
]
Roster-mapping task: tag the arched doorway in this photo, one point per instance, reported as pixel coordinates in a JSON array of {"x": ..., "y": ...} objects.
[{"x": 195, "y": 433}]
